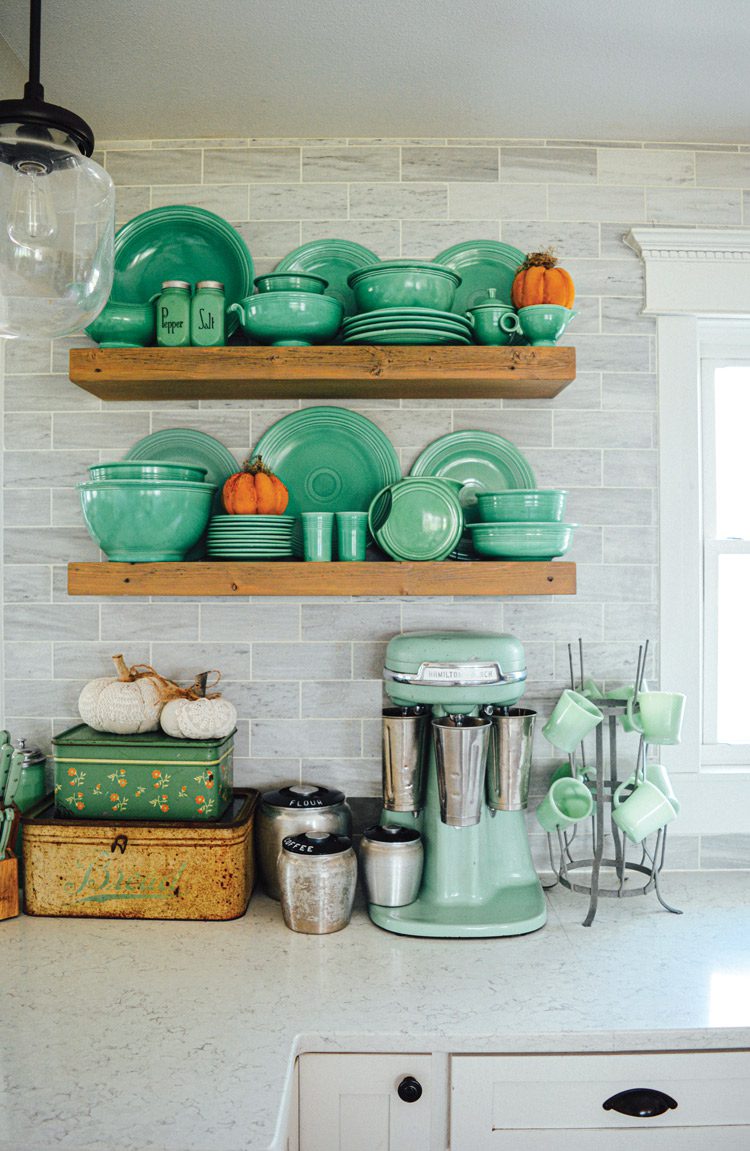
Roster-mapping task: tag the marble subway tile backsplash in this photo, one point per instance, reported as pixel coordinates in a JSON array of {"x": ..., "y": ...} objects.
[{"x": 305, "y": 673}]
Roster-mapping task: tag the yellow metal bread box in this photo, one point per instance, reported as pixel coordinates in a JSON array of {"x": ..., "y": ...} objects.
[{"x": 139, "y": 870}]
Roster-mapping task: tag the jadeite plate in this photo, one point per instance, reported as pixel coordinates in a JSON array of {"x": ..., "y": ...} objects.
[
  {"x": 189, "y": 446},
  {"x": 406, "y": 315},
  {"x": 481, "y": 264},
  {"x": 334, "y": 260},
  {"x": 180, "y": 242},
  {"x": 355, "y": 329},
  {"x": 330, "y": 459},
  {"x": 417, "y": 519},
  {"x": 406, "y": 336}
]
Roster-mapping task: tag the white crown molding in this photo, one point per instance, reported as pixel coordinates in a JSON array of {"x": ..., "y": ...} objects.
[{"x": 694, "y": 271}]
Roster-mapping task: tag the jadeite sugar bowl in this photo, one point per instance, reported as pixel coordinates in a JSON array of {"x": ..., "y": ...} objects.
[
  {"x": 485, "y": 316},
  {"x": 146, "y": 521},
  {"x": 291, "y": 282},
  {"x": 289, "y": 319},
  {"x": 124, "y": 325},
  {"x": 404, "y": 284}
]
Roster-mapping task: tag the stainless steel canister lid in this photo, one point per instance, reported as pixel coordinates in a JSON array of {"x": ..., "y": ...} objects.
[
  {"x": 215, "y": 284},
  {"x": 303, "y": 796},
  {"x": 31, "y": 753},
  {"x": 380, "y": 834},
  {"x": 176, "y": 284}
]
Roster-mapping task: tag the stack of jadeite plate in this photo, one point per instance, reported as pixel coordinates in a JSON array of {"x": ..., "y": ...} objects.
[
  {"x": 407, "y": 326},
  {"x": 251, "y": 537}
]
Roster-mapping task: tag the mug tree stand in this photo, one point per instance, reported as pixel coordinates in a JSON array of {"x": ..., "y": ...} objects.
[{"x": 619, "y": 867}]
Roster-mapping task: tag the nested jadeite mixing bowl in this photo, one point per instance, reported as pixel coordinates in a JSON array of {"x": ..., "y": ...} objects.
[
  {"x": 522, "y": 541},
  {"x": 146, "y": 470},
  {"x": 146, "y": 521},
  {"x": 290, "y": 318},
  {"x": 291, "y": 282},
  {"x": 404, "y": 284},
  {"x": 517, "y": 504}
]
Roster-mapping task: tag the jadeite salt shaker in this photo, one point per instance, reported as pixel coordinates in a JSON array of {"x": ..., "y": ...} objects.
[
  {"x": 317, "y": 880},
  {"x": 207, "y": 309},
  {"x": 173, "y": 314}
]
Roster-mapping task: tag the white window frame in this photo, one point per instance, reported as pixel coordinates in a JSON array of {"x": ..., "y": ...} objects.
[{"x": 698, "y": 288}]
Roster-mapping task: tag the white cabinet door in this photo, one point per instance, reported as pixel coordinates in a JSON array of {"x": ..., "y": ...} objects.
[
  {"x": 556, "y": 1102},
  {"x": 351, "y": 1103}
]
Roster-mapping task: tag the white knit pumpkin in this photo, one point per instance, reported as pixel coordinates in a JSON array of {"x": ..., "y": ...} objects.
[
  {"x": 125, "y": 708},
  {"x": 198, "y": 718}
]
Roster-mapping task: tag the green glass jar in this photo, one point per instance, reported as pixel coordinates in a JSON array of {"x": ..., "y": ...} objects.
[
  {"x": 207, "y": 309},
  {"x": 32, "y": 785},
  {"x": 173, "y": 314}
]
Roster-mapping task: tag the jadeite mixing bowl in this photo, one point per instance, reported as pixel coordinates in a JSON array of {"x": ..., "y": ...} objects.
[
  {"x": 404, "y": 284},
  {"x": 516, "y": 504},
  {"x": 146, "y": 470},
  {"x": 289, "y": 319},
  {"x": 124, "y": 325},
  {"x": 142, "y": 521},
  {"x": 290, "y": 282}
]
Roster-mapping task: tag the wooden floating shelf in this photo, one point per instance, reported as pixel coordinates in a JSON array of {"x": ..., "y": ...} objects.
[
  {"x": 324, "y": 372},
  {"x": 280, "y": 578}
]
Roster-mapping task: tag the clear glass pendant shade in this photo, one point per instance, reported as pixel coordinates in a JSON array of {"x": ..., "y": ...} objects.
[{"x": 57, "y": 212}]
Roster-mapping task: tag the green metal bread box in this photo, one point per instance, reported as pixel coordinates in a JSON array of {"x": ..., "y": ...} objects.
[{"x": 99, "y": 775}]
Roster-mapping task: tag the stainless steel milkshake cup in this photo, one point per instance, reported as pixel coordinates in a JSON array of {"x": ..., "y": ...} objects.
[
  {"x": 404, "y": 747},
  {"x": 509, "y": 758},
  {"x": 461, "y": 744}
]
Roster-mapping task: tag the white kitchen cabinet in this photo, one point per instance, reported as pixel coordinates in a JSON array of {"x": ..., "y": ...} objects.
[
  {"x": 351, "y": 1103},
  {"x": 555, "y": 1102}
]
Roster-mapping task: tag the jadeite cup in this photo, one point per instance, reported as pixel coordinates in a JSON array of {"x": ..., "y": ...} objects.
[
  {"x": 644, "y": 811},
  {"x": 626, "y": 693},
  {"x": 573, "y": 717},
  {"x": 541, "y": 324},
  {"x": 567, "y": 801},
  {"x": 485, "y": 322},
  {"x": 351, "y": 535},
  {"x": 317, "y": 536},
  {"x": 659, "y": 719},
  {"x": 657, "y": 774}
]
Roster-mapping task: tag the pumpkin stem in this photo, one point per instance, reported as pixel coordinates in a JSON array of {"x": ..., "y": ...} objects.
[
  {"x": 123, "y": 673},
  {"x": 545, "y": 259},
  {"x": 256, "y": 466}
]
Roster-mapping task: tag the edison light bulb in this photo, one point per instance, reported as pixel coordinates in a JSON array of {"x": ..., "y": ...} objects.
[{"x": 32, "y": 214}]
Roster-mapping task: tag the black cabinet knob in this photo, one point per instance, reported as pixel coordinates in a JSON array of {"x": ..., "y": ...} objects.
[
  {"x": 642, "y": 1102},
  {"x": 410, "y": 1089}
]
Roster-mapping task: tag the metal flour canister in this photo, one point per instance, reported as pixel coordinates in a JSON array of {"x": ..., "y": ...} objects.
[
  {"x": 317, "y": 880},
  {"x": 293, "y": 810}
]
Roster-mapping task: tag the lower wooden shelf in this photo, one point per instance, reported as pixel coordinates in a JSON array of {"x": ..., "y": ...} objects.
[{"x": 277, "y": 578}]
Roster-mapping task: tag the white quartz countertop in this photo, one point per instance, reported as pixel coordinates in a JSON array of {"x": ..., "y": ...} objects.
[{"x": 156, "y": 1036}]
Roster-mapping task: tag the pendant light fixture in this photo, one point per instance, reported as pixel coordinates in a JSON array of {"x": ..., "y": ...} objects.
[{"x": 56, "y": 214}]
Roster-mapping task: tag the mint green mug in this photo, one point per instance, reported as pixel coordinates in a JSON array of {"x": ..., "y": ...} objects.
[
  {"x": 566, "y": 802},
  {"x": 644, "y": 811},
  {"x": 541, "y": 324},
  {"x": 657, "y": 774},
  {"x": 573, "y": 717},
  {"x": 659, "y": 718}
]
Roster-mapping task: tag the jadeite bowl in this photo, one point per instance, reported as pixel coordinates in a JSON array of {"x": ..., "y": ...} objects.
[
  {"x": 404, "y": 284},
  {"x": 522, "y": 541},
  {"x": 124, "y": 325},
  {"x": 287, "y": 319},
  {"x": 290, "y": 282},
  {"x": 146, "y": 470},
  {"x": 142, "y": 521},
  {"x": 522, "y": 504}
]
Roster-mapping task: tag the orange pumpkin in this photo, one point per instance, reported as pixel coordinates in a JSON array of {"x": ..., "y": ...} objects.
[
  {"x": 540, "y": 281},
  {"x": 255, "y": 491}
]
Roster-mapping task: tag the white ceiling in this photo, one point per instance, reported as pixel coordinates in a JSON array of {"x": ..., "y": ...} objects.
[{"x": 667, "y": 70}]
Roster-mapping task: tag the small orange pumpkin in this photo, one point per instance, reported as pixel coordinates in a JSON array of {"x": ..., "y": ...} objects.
[
  {"x": 255, "y": 491},
  {"x": 540, "y": 281}
]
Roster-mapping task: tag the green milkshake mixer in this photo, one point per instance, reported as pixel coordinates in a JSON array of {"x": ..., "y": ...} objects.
[{"x": 456, "y": 758}]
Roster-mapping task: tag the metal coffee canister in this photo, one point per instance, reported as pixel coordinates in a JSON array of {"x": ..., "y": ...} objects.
[
  {"x": 392, "y": 860},
  {"x": 291, "y": 810},
  {"x": 317, "y": 881}
]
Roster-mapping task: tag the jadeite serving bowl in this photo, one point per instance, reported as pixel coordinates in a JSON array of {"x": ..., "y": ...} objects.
[
  {"x": 522, "y": 504},
  {"x": 522, "y": 541},
  {"x": 146, "y": 470},
  {"x": 404, "y": 284},
  {"x": 121, "y": 325},
  {"x": 290, "y": 282},
  {"x": 146, "y": 521},
  {"x": 287, "y": 319}
]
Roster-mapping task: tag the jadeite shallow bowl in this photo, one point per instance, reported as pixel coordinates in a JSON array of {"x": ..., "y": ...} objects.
[
  {"x": 522, "y": 541},
  {"x": 124, "y": 325},
  {"x": 290, "y": 282},
  {"x": 289, "y": 318},
  {"x": 142, "y": 521},
  {"x": 522, "y": 504},
  {"x": 146, "y": 470},
  {"x": 404, "y": 284}
]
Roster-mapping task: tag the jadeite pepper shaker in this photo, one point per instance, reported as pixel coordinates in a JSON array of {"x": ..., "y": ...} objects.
[
  {"x": 207, "y": 309},
  {"x": 173, "y": 314}
]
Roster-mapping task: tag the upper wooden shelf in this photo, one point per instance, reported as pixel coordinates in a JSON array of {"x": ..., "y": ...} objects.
[
  {"x": 280, "y": 578},
  {"x": 325, "y": 372}
]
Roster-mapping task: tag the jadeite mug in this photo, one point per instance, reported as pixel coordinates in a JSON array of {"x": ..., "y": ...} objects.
[
  {"x": 625, "y": 692},
  {"x": 644, "y": 811},
  {"x": 566, "y": 802},
  {"x": 541, "y": 324},
  {"x": 657, "y": 774},
  {"x": 659, "y": 719},
  {"x": 573, "y": 717}
]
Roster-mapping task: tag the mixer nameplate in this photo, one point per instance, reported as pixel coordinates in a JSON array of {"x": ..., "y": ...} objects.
[{"x": 456, "y": 674}]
